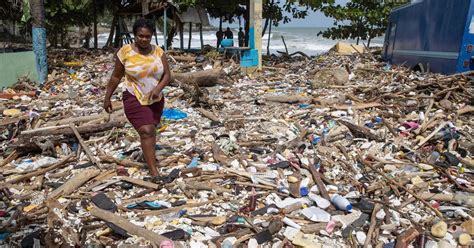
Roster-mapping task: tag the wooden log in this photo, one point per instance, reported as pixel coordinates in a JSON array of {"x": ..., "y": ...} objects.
[
  {"x": 441, "y": 126},
  {"x": 176, "y": 209},
  {"x": 14, "y": 155},
  {"x": 104, "y": 117},
  {"x": 123, "y": 223},
  {"x": 74, "y": 183},
  {"x": 360, "y": 132},
  {"x": 288, "y": 99},
  {"x": 84, "y": 146},
  {"x": 373, "y": 223},
  {"x": 125, "y": 162},
  {"x": 56, "y": 165},
  {"x": 8, "y": 121},
  {"x": 357, "y": 106},
  {"x": 211, "y": 116},
  {"x": 66, "y": 130},
  {"x": 319, "y": 182},
  {"x": 404, "y": 239},
  {"x": 465, "y": 110},
  {"x": 140, "y": 182},
  {"x": 206, "y": 78}
]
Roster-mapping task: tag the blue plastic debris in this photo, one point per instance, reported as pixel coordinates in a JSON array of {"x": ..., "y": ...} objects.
[
  {"x": 194, "y": 163},
  {"x": 174, "y": 114},
  {"x": 304, "y": 105},
  {"x": 316, "y": 140},
  {"x": 4, "y": 235}
]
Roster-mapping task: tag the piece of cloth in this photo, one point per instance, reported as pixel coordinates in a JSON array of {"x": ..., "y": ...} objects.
[
  {"x": 140, "y": 115},
  {"x": 142, "y": 72}
]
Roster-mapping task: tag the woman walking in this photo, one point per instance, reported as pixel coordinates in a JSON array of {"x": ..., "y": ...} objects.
[{"x": 146, "y": 74}]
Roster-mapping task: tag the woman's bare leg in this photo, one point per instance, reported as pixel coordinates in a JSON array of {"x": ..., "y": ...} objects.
[{"x": 148, "y": 142}]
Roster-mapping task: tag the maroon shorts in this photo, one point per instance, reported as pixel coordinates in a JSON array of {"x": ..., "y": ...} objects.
[{"x": 140, "y": 115}]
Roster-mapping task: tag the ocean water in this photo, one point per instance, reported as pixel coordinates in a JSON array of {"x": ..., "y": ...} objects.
[{"x": 297, "y": 39}]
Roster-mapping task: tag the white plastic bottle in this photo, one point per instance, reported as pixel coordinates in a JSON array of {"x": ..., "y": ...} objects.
[{"x": 341, "y": 203}]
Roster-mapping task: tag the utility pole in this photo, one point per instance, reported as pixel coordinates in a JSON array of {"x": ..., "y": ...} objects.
[{"x": 39, "y": 38}]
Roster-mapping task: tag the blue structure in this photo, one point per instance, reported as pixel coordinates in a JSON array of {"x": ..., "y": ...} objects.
[
  {"x": 434, "y": 34},
  {"x": 39, "y": 48}
]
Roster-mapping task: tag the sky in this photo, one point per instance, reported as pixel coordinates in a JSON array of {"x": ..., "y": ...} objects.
[{"x": 314, "y": 19}]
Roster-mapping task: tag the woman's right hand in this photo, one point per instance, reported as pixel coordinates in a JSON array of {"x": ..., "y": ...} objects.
[{"x": 108, "y": 105}]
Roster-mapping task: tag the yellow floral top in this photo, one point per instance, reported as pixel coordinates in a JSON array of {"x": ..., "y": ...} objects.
[{"x": 142, "y": 72}]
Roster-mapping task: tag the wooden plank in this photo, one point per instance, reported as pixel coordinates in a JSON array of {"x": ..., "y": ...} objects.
[
  {"x": 84, "y": 146},
  {"x": 123, "y": 223},
  {"x": 74, "y": 183},
  {"x": 140, "y": 182},
  {"x": 57, "y": 165}
]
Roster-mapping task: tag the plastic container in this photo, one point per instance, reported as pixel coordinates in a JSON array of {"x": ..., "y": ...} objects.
[
  {"x": 227, "y": 42},
  {"x": 341, "y": 203}
]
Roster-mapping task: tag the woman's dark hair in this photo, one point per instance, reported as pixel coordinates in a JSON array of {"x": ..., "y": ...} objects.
[{"x": 143, "y": 23}]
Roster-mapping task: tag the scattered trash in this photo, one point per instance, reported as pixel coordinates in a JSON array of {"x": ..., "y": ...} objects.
[{"x": 332, "y": 151}]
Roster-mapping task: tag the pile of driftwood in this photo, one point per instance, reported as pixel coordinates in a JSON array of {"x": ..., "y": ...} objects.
[{"x": 331, "y": 150}]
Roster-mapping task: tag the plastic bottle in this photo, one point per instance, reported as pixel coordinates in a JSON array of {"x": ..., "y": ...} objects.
[
  {"x": 341, "y": 203},
  {"x": 304, "y": 191}
]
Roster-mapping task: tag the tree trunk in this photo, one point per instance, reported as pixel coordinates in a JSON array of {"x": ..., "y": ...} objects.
[
  {"x": 96, "y": 45},
  {"x": 200, "y": 35},
  {"x": 190, "y": 34},
  {"x": 267, "y": 20},
  {"x": 111, "y": 33},
  {"x": 357, "y": 43},
  {"x": 269, "y": 37},
  {"x": 181, "y": 36},
  {"x": 39, "y": 38}
]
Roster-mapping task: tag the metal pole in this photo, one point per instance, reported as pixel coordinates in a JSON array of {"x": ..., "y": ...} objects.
[{"x": 165, "y": 34}]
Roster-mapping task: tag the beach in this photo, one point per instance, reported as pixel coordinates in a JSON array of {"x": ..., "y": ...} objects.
[{"x": 297, "y": 39}]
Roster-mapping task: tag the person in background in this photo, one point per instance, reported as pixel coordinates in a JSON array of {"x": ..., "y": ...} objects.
[
  {"x": 220, "y": 36},
  {"x": 241, "y": 37},
  {"x": 228, "y": 34},
  {"x": 146, "y": 74}
]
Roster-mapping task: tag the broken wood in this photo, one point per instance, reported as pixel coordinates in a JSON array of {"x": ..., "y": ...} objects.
[
  {"x": 427, "y": 204},
  {"x": 206, "y": 186},
  {"x": 211, "y": 116},
  {"x": 140, "y": 182},
  {"x": 427, "y": 138},
  {"x": 357, "y": 106},
  {"x": 361, "y": 132},
  {"x": 206, "y": 78},
  {"x": 74, "y": 183},
  {"x": 102, "y": 117},
  {"x": 177, "y": 209},
  {"x": 107, "y": 216},
  {"x": 84, "y": 146},
  {"x": 56, "y": 165},
  {"x": 288, "y": 99},
  {"x": 373, "y": 223},
  {"x": 125, "y": 162}
]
